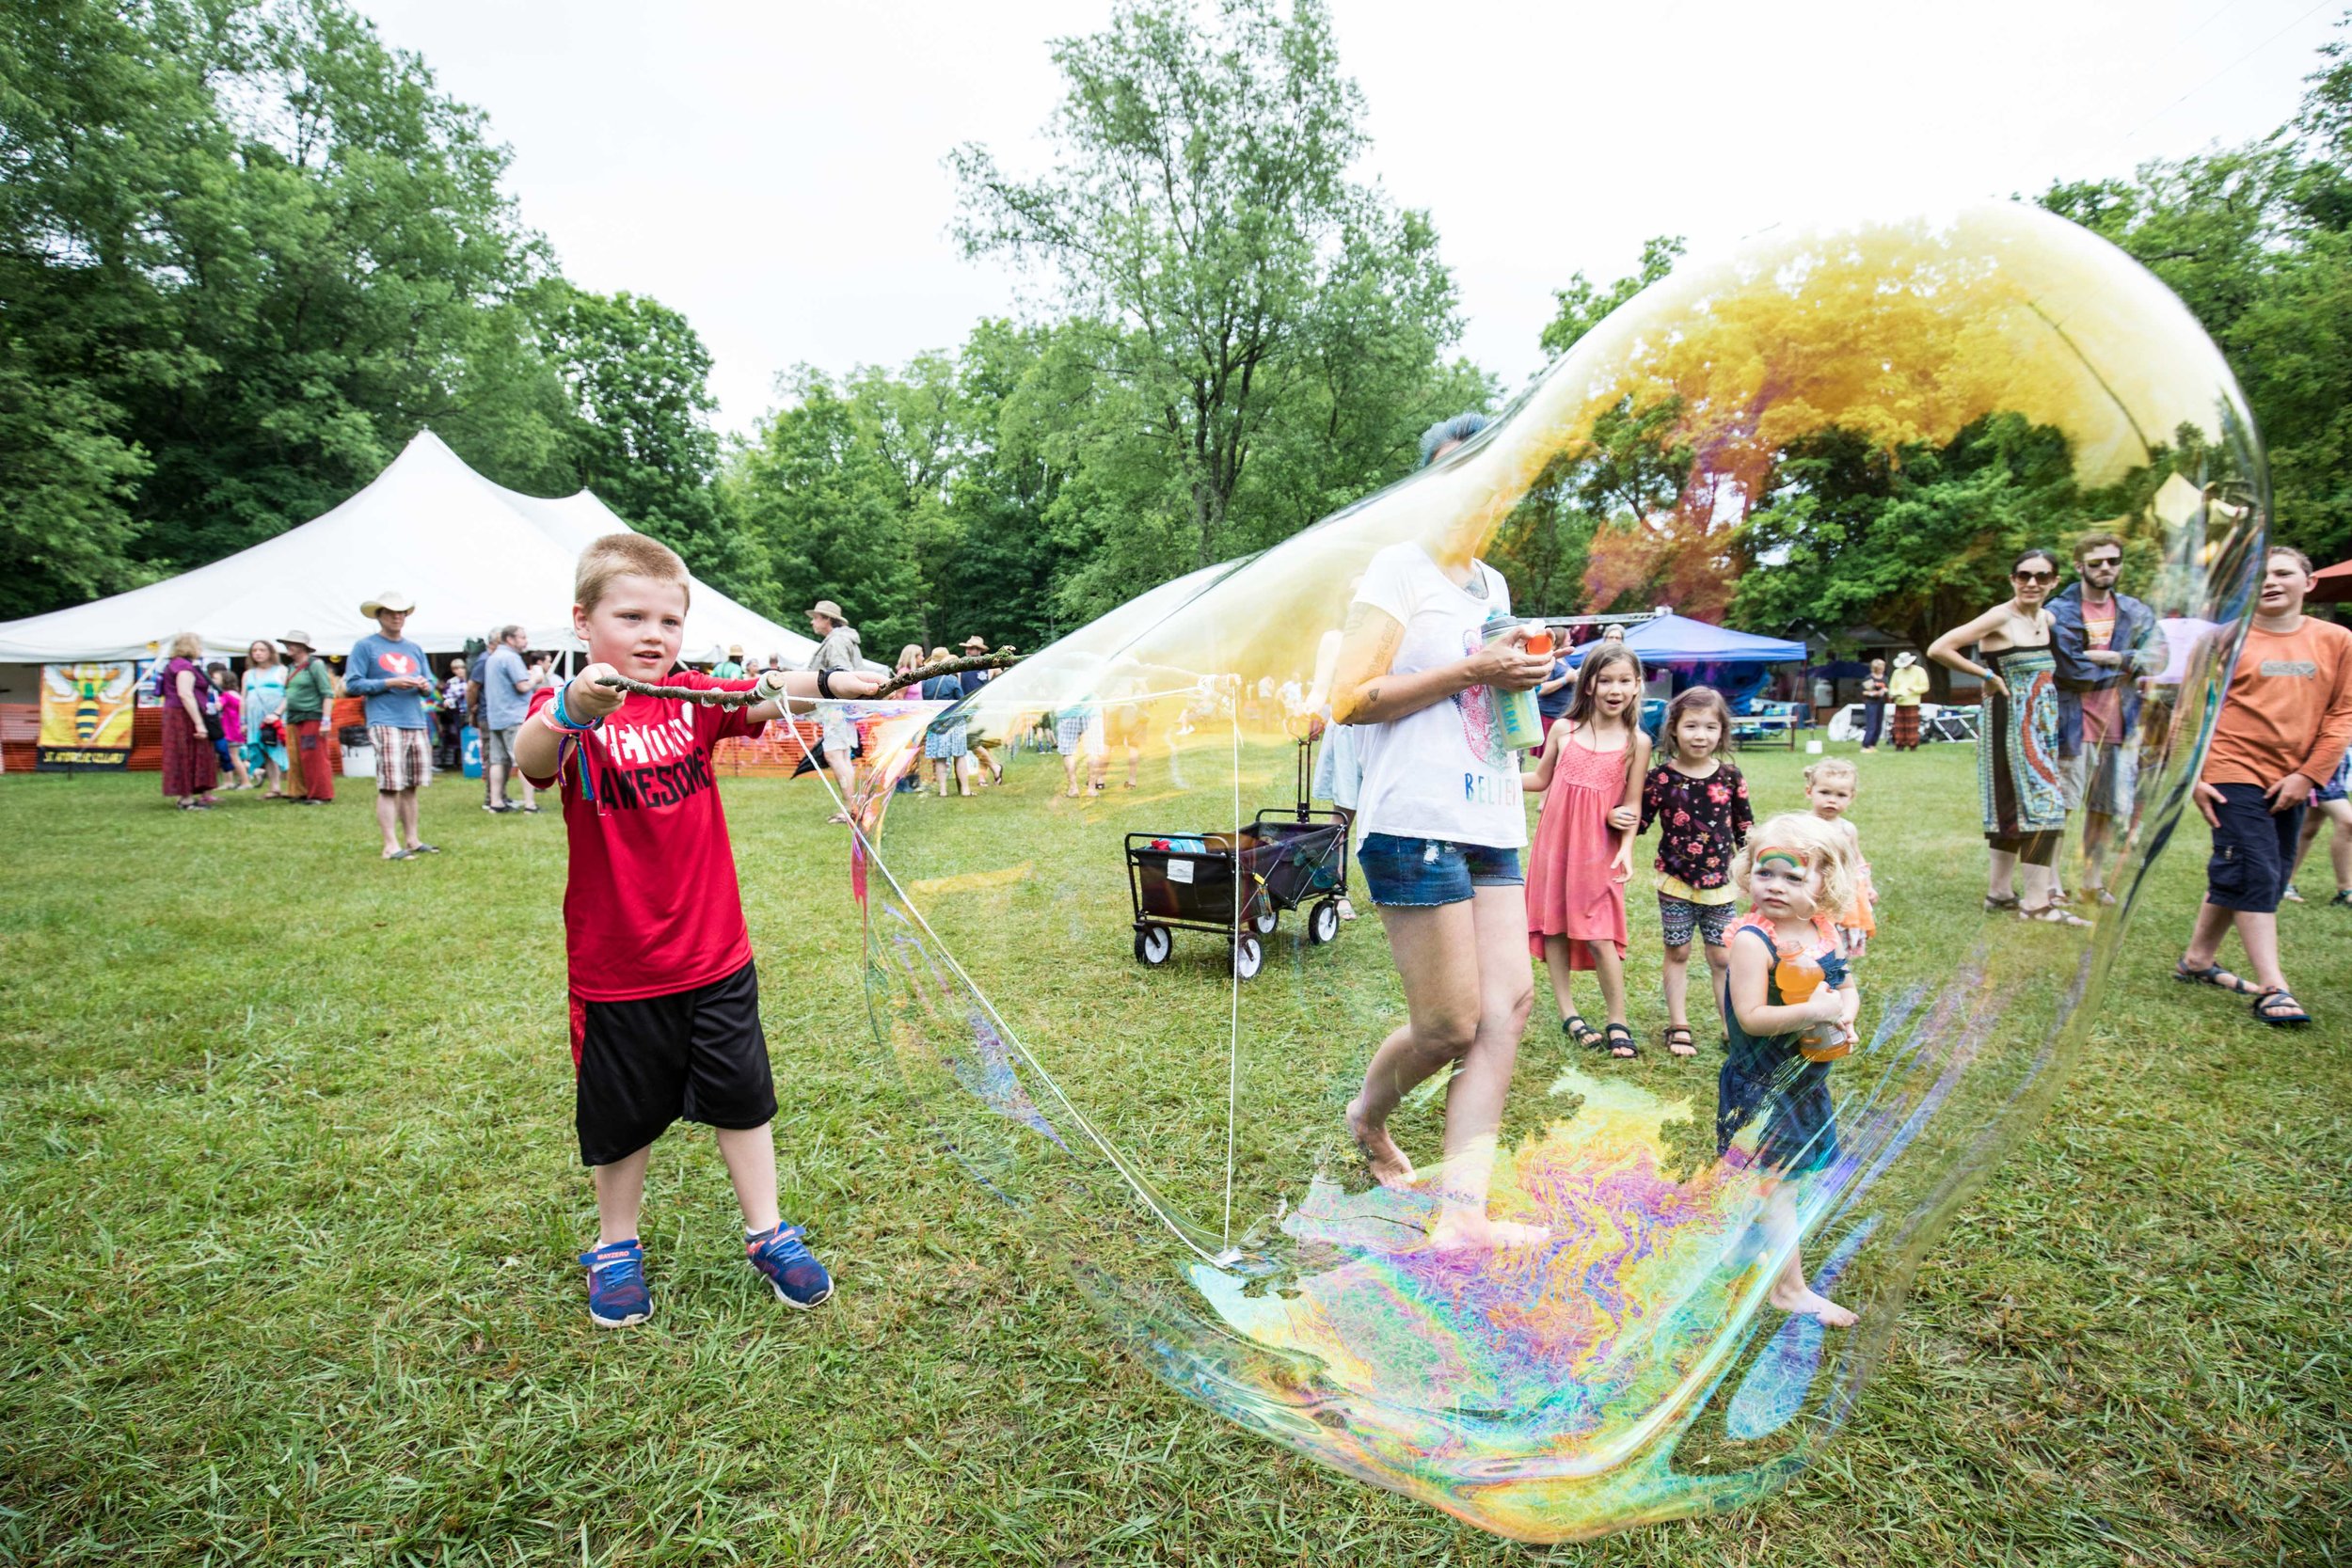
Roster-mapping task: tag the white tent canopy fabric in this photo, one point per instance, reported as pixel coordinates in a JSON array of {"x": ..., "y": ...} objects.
[{"x": 473, "y": 556}]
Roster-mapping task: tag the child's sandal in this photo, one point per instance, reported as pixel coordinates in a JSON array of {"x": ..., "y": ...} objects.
[
  {"x": 1622, "y": 1045},
  {"x": 1580, "y": 1033},
  {"x": 1677, "y": 1040}
]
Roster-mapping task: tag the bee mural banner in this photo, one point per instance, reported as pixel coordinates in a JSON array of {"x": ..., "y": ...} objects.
[{"x": 86, "y": 715}]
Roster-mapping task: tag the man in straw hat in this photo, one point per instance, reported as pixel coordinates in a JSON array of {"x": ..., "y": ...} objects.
[
  {"x": 310, "y": 700},
  {"x": 836, "y": 652},
  {"x": 1904, "y": 688},
  {"x": 391, "y": 673},
  {"x": 978, "y": 750}
]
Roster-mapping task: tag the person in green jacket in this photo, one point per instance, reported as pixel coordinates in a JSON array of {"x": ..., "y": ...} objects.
[{"x": 310, "y": 700}]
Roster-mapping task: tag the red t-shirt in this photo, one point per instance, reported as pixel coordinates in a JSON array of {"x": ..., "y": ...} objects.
[
  {"x": 651, "y": 905},
  {"x": 2103, "y": 710}
]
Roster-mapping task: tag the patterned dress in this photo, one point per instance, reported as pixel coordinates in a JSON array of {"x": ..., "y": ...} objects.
[
  {"x": 2017, "y": 760},
  {"x": 1701, "y": 824}
]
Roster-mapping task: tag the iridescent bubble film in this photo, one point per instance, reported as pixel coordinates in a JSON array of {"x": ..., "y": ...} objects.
[{"x": 1123, "y": 988}]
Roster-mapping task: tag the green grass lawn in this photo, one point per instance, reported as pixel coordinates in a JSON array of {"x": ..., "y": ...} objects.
[{"x": 289, "y": 1198}]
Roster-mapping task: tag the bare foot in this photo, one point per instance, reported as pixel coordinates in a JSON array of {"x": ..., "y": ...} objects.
[
  {"x": 1389, "y": 1168},
  {"x": 1813, "y": 1305},
  {"x": 1462, "y": 1230}
]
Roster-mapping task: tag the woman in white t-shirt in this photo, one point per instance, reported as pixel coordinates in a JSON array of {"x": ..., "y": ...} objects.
[{"x": 1441, "y": 813}]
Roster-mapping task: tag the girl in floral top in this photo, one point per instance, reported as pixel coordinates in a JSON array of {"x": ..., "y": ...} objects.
[{"x": 1700, "y": 804}]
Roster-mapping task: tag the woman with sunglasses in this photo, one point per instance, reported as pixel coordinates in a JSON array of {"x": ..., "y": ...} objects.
[{"x": 2017, "y": 744}]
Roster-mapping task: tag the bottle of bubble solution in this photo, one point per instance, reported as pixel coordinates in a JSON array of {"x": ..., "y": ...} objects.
[{"x": 1520, "y": 720}]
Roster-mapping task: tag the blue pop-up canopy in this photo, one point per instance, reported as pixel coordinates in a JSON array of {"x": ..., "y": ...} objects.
[{"x": 1672, "y": 639}]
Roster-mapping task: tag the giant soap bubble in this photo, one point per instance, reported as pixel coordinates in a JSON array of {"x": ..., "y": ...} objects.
[{"x": 1134, "y": 1012}]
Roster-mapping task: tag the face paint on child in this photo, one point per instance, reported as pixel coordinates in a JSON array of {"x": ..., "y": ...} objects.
[{"x": 1783, "y": 885}]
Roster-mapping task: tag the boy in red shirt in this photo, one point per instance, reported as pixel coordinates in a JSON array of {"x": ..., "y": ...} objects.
[
  {"x": 2283, "y": 727},
  {"x": 664, "y": 997}
]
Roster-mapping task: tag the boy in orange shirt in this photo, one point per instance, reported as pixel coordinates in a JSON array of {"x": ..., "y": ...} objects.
[{"x": 2283, "y": 726}]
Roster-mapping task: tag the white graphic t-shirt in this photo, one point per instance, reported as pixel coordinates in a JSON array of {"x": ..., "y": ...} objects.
[{"x": 1442, "y": 773}]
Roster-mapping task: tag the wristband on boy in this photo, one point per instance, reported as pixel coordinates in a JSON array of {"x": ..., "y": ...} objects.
[{"x": 558, "y": 719}]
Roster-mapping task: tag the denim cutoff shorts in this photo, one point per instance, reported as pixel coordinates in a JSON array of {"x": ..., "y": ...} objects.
[{"x": 1422, "y": 872}]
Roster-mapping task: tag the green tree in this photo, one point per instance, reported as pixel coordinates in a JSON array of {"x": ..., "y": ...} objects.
[
  {"x": 1584, "y": 303},
  {"x": 637, "y": 431},
  {"x": 2257, "y": 241},
  {"x": 245, "y": 253},
  {"x": 1914, "y": 541},
  {"x": 1237, "y": 302},
  {"x": 814, "y": 494}
]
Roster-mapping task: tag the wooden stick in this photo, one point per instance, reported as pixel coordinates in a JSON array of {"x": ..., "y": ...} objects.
[
  {"x": 1001, "y": 659},
  {"x": 707, "y": 696},
  {"x": 721, "y": 697}
]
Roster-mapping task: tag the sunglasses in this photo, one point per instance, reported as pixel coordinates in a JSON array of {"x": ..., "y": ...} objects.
[
  {"x": 2035, "y": 577},
  {"x": 2103, "y": 561}
]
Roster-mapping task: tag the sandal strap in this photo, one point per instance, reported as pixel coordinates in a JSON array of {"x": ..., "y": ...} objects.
[
  {"x": 2266, "y": 1001},
  {"x": 2219, "y": 978}
]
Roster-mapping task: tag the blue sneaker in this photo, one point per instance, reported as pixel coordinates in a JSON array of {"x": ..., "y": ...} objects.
[
  {"x": 617, "y": 1296},
  {"x": 783, "y": 1256}
]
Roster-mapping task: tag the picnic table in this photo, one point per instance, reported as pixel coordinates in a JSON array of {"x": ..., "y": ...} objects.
[{"x": 1775, "y": 725}]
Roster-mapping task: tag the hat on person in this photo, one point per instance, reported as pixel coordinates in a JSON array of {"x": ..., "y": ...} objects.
[
  {"x": 297, "y": 639},
  {"x": 977, "y": 640},
  {"x": 1904, "y": 661},
  {"x": 398, "y": 604},
  {"x": 734, "y": 650},
  {"x": 829, "y": 610}
]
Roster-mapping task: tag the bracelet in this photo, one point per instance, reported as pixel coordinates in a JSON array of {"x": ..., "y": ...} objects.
[
  {"x": 824, "y": 683},
  {"x": 565, "y": 722}
]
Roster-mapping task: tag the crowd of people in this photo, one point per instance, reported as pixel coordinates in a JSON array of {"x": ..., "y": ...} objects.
[
  {"x": 247, "y": 727},
  {"x": 2064, "y": 729},
  {"x": 1782, "y": 910}
]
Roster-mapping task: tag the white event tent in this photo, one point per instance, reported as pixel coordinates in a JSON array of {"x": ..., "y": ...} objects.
[{"x": 473, "y": 556}]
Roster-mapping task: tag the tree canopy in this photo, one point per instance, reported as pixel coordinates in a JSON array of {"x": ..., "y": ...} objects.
[{"x": 246, "y": 252}]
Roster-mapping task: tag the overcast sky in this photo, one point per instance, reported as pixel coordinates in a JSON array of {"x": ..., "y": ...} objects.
[{"x": 775, "y": 172}]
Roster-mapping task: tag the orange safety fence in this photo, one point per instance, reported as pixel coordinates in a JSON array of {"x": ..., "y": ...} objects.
[{"x": 775, "y": 752}]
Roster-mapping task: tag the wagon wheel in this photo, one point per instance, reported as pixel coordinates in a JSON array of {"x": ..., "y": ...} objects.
[
  {"x": 1154, "y": 943},
  {"x": 1323, "y": 922},
  {"x": 1266, "y": 918},
  {"x": 1248, "y": 957}
]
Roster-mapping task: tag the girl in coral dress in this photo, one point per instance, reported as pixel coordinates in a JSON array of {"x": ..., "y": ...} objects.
[{"x": 1591, "y": 781}]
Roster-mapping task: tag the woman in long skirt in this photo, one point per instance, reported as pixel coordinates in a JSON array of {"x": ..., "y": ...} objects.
[
  {"x": 191, "y": 771},
  {"x": 2017, "y": 771}
]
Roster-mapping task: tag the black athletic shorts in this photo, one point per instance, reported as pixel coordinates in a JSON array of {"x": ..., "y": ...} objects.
[
  {"x": 696, "y": 1054},
  {"x": 2253, "y": 849}
]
